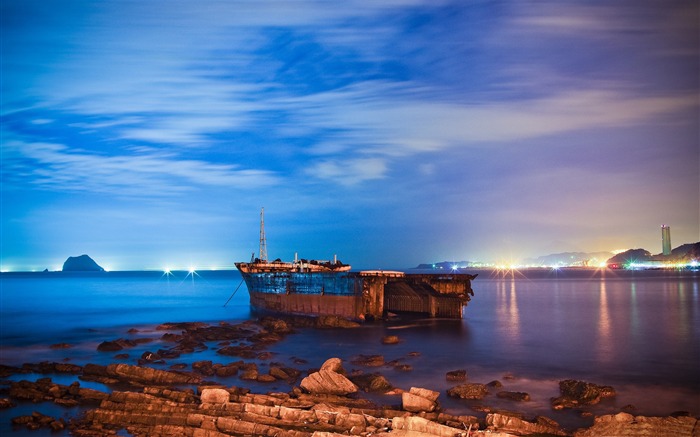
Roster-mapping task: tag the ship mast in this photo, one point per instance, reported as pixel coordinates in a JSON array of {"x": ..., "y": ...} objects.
[{"x": 263, "y": 240}]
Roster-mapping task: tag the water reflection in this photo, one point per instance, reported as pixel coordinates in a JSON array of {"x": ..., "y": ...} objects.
[
  {"x": 604, "y": 334},
  {"x": 507, "y": 311}
]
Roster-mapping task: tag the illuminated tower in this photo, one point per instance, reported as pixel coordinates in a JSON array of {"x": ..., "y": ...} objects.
[{"x": 666, "y": 239}]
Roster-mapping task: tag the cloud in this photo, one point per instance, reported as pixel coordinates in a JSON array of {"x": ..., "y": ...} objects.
[
  {"x": 349, "y": 171},
  {"x": 150, "y": 173}
]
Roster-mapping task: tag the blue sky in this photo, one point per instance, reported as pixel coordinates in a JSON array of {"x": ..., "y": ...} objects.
[{"x": 150, "y": 134}]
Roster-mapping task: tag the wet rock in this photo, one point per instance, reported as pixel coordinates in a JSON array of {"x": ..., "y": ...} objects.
[
  {"x": 181, "y": 326},
  {"x": 517, "y": 426},
  {"x": 625, "y": 424},
  {"x": 265, "y": 378},
  {"x": 575, "y": 393},
  {"x": 371, "y": 382},
  {"x": 278, "y": 326},
  {"x": 151, "y": 357},
  {"x": 335, "y": 322},
  {"x": 403, "y": 367},
  {"x": 115, "y": 345},
  {"x": 420, "y": 400},
  {"x": 230, "y": 369},
  {"x": 249, "y": 372},
  {"x": 390, "y": 339},
  {"x": 238, "y": 351},
  {"x": 468, "y": 391},
  {"x": 6, "y": 403},
  {"x": 328, "y": 382},
  {"x": 495, "y": 384},
  {"x": 456, "y": 375},
  {"x": 369, "y": 360},
  {"x": 513, "y": 395},
  {"x": 138, "y": 374},
  {"x": 61, "y": 346}
]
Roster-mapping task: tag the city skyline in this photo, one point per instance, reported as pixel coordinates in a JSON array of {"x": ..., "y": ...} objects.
[{"x": 149, "y": 135}]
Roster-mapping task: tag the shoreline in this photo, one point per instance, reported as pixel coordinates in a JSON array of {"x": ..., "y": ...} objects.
[{"x": 245, "y": 348}]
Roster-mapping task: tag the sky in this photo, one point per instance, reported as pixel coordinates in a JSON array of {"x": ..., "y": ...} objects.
[{"x": 149, "y": 135}]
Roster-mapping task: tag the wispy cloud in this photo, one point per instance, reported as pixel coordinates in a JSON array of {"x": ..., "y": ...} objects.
[{"x": 154, "y": 173}]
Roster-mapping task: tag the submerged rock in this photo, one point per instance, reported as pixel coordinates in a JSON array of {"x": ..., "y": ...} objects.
[
  {"x": 468, "y": 391},
  {"x": 456, "y": 375}
]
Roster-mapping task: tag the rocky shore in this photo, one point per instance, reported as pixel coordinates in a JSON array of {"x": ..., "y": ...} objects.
[{"x": 191, "y": 400}]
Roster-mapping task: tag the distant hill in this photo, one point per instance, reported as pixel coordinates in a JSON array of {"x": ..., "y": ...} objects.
[
  {"x": 683, "y": 253},
  {"x": 568, "y": 258},
  {"x": 686, "y": 252},
  {"x": 628, "y": 256},
  {"x": 82, "y": 263}
]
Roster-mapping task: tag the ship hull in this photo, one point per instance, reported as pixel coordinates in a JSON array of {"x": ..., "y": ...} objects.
[
  {"x": 357, "y": 295},
  {"x": 306, "y": 293}
]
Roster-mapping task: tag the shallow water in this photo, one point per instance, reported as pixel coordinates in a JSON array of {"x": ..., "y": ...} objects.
[{"x": 636, "y": 331}]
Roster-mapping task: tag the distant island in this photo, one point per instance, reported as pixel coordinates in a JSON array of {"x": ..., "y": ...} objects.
[{"x": 82, "y": 263}]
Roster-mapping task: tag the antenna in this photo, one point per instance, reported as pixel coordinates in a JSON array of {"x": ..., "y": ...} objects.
[{"x": 263, "y": 240}]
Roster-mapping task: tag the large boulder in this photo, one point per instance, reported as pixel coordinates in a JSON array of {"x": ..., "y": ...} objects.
[
  {"x": 328, "y": 382},
  {"x": 417, "y": 400},
  {"x": 575, "y": 393}
]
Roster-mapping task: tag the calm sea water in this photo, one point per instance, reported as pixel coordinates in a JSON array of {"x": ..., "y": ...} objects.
[{"x": 636, "y": 331}]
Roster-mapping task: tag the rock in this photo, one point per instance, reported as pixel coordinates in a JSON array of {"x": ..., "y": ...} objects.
[
  {"x": 147, "y": 375},
  {"x": 517, "y": 426},
  {"x": 266, "y": 378},
  {"x": 278, "y": 326},
  {"x": 334, "y": 365},
  {"x": 371, "y": 382},
  {"x": 513, "y": 395},
  {"x": 419, "y": 400},
  {"x": 328, "y": 382},
  {"x": 115, "y": 345},
  {"x": 390, "y": 339},
  {"x": 575, "y": 393},
  {"x": 61, "y": 346},
  {"x": 6, "y": 403},
  {"x": 495, "y": 384},
  {"x": 215, "y": 396},
  {"x": 335, "y": 322},
  {"x": 456, "y": 375},
  {"x": 468, "y": 391},
  {"x": 625, "y": 424},
  {"x": 82, "y": 263},
  {"x": 403, "y": 367},
  {"x": 414, "y": 425},
  {"x": 369, "y": 360}
]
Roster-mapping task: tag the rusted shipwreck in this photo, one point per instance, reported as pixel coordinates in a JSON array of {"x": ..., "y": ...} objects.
[
  {"x": 319, "y": 288},
  {"x": 316, "y": 288}
]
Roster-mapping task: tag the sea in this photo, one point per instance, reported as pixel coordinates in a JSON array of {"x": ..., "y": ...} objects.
[{"x": 637, "y": 331}]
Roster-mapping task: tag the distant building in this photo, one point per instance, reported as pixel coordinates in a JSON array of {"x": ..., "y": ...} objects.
[{"x": 666, "y": 239}]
